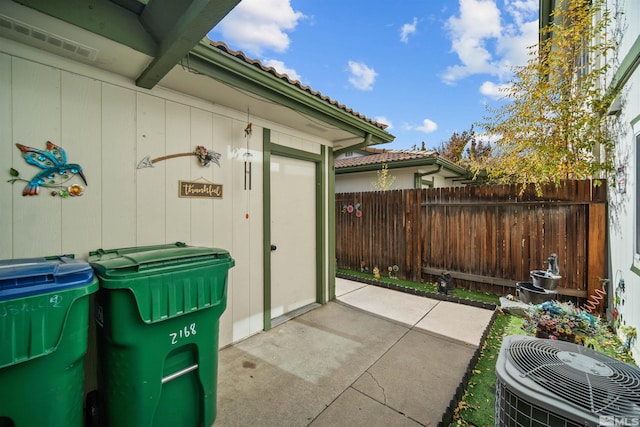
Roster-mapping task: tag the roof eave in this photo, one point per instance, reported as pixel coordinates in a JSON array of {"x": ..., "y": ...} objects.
[
  {"x": 163, "y": 29},
  {"x": 228, "y": 69},
  {"x": 406, "y": 164}
]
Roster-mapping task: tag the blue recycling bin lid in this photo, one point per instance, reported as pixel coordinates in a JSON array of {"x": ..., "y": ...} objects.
[{"x": 32, "y": 276}]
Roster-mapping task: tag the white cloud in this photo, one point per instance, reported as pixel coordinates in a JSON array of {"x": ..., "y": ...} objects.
[
  {"x": 494, "y": 90},
  {"x": 521, "y": 10},
  {"x": 408, "y": 29},
  {"x": 428, "y": 126},
  {"x": 362, "y": 77},
  {"x": 281, "y": 68},
  {"x": 514, "y": 48},
  {"x": 479, "y": 21},
  {"x": 383, "y": 120},
  {"x": 487, "y": 137},
  {"x": 487, "y": 42},
  {"x": 257, "y": 25}
]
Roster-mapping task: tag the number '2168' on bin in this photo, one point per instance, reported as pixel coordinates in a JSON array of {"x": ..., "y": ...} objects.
[{"x": 184, "y": 332}]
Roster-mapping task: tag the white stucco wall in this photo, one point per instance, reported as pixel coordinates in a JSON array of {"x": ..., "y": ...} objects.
[
  {"x": 623, "y": 213},
  {"x": 404, "y": 179},
  {"x": 364, "y": 181}
]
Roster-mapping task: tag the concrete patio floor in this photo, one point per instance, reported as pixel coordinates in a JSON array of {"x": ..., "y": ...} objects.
[{"x": 374, "y": 357}]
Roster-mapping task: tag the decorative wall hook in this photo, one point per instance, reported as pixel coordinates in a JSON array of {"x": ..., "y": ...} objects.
[{"x": 205, "y": 156}]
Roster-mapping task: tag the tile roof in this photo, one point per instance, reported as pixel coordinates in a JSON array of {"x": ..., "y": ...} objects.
[
  {"x": 241, "y": 56},
  {"x": 386, "y": 156}
]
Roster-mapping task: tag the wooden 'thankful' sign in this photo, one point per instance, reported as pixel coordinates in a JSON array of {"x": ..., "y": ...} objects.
[{"x": 200, "y": 190}]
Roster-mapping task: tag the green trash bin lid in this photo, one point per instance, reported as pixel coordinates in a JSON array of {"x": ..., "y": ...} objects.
[
  {"x": 165, "y": 280},
  {"x": 148, "y": 260}
]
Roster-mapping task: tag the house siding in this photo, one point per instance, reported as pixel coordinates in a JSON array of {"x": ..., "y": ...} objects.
[
  {"x": 623, "y": 249},
  {"x": 108, "y": 125}
]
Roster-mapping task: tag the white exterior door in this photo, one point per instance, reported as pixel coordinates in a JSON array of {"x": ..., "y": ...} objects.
[{"x": 293, "y": 234}]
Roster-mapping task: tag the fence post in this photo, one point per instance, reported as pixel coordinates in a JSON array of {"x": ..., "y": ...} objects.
[{"x": 596, "y": 251}]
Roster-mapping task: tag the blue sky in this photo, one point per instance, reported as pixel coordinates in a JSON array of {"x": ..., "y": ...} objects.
[{"x": 426, "y": 68}]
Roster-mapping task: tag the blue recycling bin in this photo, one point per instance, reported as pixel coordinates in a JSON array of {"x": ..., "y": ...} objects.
[{"x": 44, "y": 319}]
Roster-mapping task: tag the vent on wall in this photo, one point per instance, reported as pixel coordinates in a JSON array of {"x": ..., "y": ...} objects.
[{"x": 45, "y": 39}]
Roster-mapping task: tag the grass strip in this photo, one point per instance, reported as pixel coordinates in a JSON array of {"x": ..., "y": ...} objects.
[{"x": 427, "y": 287}]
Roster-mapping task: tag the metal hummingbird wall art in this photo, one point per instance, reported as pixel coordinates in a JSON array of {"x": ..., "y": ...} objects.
[{"x": 55, "y": 173}]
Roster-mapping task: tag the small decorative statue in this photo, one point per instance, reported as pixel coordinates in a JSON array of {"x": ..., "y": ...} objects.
[
  {"x": 393, "y": 270},
  {"x": 363, "y": 267},
  {"x": 446, "y": 284},
  {"x": 376, "y": 273}
]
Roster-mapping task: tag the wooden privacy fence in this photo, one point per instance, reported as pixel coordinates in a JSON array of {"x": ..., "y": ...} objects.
[{"x": 488, "y": 237}]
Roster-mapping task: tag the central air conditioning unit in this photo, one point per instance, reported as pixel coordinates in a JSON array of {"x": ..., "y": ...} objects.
[{"x": 549, "y": 383}]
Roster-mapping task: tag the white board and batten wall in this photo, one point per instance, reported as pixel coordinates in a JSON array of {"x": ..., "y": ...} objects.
[
  {"x": 624, "y": 200},
  {"x": 107, "y": 125}
]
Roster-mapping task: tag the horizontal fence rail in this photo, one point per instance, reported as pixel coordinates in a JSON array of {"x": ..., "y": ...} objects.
[{"x": 487, "y": 237}]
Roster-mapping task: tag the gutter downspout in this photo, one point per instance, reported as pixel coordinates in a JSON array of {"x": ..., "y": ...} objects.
[
  {"x": 417, "y": 181},
  {"x": 365, "y": 143},
  {"x": 627, "y": 67}
]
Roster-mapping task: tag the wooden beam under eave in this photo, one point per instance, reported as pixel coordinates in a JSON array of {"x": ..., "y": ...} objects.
[
  {"x": 178, "y": 27},
  {"x": 102, "y": 17}
]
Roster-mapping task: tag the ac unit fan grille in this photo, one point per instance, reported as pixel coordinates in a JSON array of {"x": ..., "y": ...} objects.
[
  {"x": 588, "y": 379},
  {"x": 513, "y": 411}
]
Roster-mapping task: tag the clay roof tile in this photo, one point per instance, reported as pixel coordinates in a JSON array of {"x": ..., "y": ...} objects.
[{"x": 243, "y": 57}]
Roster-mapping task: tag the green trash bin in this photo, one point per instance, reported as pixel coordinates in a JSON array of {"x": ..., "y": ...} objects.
[
  {"x": 44, "y": 319},
  {"x": 157, "y": 312}
]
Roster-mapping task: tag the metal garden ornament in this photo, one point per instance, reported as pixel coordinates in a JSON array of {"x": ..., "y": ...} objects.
[
  {"x": 55, "y": 171},
  {"x": 205, "y": 156}
]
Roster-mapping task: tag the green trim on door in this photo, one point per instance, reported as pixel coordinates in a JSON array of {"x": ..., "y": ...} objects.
[
  {"x": 294, "y": 153},
  {"x": 266, "y": 226},
  {"x": 331, "y": 238},
  {"x": 321, "y": 221},
  {"x": 269, "y": 149}
]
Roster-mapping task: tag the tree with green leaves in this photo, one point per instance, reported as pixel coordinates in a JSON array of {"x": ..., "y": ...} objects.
[
  {"x": 464, "y": 146},
  {"x": 554, "y": 124},
  {"x": 454, "y": 148}
]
